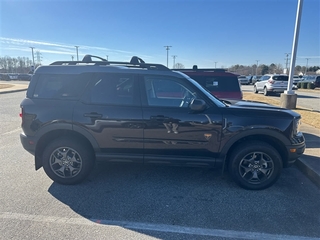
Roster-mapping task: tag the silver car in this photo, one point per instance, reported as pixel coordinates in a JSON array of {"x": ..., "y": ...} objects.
[{"x": 271, "y": 83}]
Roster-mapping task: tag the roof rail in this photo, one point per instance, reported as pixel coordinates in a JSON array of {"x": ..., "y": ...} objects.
[
  {"x": 195, "y": 69},
  {"x": 135, "y": 62}
]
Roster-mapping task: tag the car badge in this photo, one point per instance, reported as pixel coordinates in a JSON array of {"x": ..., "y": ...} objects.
[{"x": 207, "y": 136}]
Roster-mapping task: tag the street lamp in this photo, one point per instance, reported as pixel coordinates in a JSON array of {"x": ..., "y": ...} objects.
[
  {"x": 32, "y": 56},
  {"x": 174, "y": 60},
  {"x": 167, "y": 48},
  {"x": 77, "y": 52}
]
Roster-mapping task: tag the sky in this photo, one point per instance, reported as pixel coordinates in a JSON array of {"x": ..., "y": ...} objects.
[{"x": 207, "y": 33}]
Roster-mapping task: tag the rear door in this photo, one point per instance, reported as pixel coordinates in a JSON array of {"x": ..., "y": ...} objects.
[{"x": 110, "y": 112}]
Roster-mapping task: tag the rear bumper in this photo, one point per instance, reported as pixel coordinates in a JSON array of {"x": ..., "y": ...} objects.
[{"x": 28, "y": 143}]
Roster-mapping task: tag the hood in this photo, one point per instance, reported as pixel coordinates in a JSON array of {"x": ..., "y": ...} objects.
[{"x": 250, "y": 104}]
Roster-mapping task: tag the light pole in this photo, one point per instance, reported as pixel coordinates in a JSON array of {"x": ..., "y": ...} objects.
[
  {"x": 305, "y": 72},
  {"x": 77, "y": 52},
  {"x": 32, "y": 56},
  {"x": 257, "y": 67},
  {"x": 107, "y": 57},
  {"x": 167, "y": 48},
  {"x": 174, "y": 60}
]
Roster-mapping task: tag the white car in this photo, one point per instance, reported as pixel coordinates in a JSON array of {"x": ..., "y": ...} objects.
[
  {"x": 243, "y": 80},
  {"x": 271, "y": 83}
]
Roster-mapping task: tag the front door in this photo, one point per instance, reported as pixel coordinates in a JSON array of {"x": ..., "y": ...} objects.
[{"x": 173, "y": 133}]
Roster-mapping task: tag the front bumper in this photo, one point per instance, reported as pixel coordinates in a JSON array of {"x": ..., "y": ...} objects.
[{"x": 296, "y": 149}]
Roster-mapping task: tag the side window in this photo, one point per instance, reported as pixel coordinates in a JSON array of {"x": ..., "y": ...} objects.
[
  {"x": 165, "y": 92},
  {"x": 60, "y": 86},
  {"x": 113, "y": 89}
]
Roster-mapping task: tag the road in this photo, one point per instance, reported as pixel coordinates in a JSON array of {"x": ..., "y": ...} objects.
[
  {"x": 144, "y": 202},
  {"x": 306, "y": 99}
]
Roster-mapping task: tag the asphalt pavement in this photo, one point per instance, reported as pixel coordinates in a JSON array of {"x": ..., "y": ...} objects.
[{"x": 308, "y": 163}]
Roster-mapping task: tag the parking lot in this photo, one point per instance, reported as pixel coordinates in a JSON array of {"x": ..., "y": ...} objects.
[{"x": 144, "y": 202}]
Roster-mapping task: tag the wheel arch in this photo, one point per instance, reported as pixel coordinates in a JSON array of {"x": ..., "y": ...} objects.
[
  {"x": 277, "y": 140},
  {"x": 54, "y": 134}
]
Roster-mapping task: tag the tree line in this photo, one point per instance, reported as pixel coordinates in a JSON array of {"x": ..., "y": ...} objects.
[
  {"x": 271, "y": 69},
  {"x": 15, "y": 65}
]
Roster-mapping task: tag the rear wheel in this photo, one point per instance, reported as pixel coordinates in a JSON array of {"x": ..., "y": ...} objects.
[
  {"x": 255, "y": 165},
  {"x": 265, "y": 92},
  {"x": 67, "y": 161}
]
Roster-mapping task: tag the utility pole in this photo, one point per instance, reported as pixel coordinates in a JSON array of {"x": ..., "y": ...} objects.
[
  {"x": 287, "y": 60},
  {"x": 215, "y": 64},
  {"x": 167, "y": 48},
  {"x": 77, "y": 52},
  {"x": 107, "y": 57},
  {"x": 174, "y": 60},
  {"x": 305, "y": 72},
  {"x": 72, "y": 57},
  {"x": 32, "y": 56},
  {"x": 257, "y": 67}
]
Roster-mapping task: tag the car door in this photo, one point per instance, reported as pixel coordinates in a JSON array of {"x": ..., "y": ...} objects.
[
  {"x": 173, "y": 133},
  {"x": 110, "y": 112},
  {"x": 261, "y": 83}
]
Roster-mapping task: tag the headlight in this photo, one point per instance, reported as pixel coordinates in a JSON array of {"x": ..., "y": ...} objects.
[{"x": 296, "y": 126}]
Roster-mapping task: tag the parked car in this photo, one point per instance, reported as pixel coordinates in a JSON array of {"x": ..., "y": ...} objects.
[
  {"x": 243, "y": 80},
  {"x": 137, "y": 112},
  {"x": 219, "y": 82},
  {"x": 249, "y": 79},
  {"x": 296, "y": 79},
  {"x": 255, "y": 79},
  {"x": 315, "y": 79},
  {"x": 24, "y": 76},
  {"x": 271, "y": 83}
]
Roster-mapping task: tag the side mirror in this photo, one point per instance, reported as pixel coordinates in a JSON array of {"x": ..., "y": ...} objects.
[{"x": 197, "y": 105}]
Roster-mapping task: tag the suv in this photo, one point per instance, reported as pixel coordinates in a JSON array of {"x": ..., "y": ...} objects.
[
  {"x": 222, "y": 84},
  {"x": 315, "y": 79},
  {"x": 271, "y": 83},
  {"x": 79, "y": 112}
]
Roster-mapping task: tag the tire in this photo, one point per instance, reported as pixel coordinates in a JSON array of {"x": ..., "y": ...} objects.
[
  {"x": 67, "y": 161},
  {"x": 255, "y": 165},
  {"x": 265, "y": 92},
  {"x": 255, "y": 89}
]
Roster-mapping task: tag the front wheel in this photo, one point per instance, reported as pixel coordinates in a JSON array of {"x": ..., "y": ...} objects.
[
  {"x": 67, "y": 161},
  {"x": 255, "y": 165}
]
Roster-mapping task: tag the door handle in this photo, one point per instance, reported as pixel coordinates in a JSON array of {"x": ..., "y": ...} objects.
[{"x": 93, "y": 115}]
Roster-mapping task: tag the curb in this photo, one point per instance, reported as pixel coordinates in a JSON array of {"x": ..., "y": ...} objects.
[
  {"x": 308, "y": 171},
  {"x": 14, "y": 90}
]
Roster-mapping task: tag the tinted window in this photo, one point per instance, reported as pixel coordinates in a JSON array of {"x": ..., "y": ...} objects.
[
  {"x": 280, "y": 78},
  {"x": 166, "y": 92},
  {"x": 218, "y": 83},
  {"x": 112, "y": 89},
  {"x": 60, "y": 86}
]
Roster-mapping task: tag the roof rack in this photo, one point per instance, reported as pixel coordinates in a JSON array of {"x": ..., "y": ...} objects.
[
  {"x": 135, "y": 62},
  {"x": 195, "y": 68}
]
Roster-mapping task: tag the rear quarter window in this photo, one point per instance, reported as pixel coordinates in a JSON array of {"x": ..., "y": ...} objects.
[
  {"x": 280, "y": 78},
  {"x": 60, "y": 86}
]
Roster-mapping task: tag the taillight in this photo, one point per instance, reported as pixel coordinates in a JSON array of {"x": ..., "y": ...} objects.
[
  {"x": 21, "y": 115},
  {"x": 271, "y": 81}
]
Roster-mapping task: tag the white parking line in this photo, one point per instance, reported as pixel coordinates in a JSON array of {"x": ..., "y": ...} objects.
[
  {"x": 13, "y": 131},
  {"x": 152, "y": 227}
]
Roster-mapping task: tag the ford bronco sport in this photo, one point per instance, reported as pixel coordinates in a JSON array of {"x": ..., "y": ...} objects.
[{"x": 79, "y": 112}]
